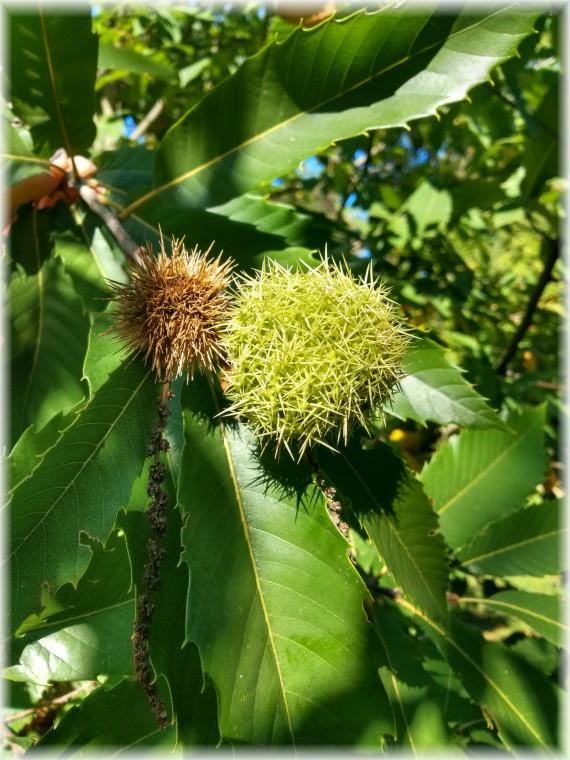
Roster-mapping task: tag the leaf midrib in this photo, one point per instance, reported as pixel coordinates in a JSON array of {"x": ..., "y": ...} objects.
[
  {"x": 247, "y": 537},
  {"x": 517, "y": 610},
  {"x": 513, "y": 547},
  {"x": 54, "y": 87}
]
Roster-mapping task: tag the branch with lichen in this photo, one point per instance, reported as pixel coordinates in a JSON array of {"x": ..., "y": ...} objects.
[
  {"x": 169, "y": 312},
  {"x": 150, "y": 581}
]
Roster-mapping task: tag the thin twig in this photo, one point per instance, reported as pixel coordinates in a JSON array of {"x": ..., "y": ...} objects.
[
  {"x": 127, "y": 245},
  {"x": 145, "y": 123},
  {"x": 57, "y": 701},
  {"x": 358, "y": 178},
  {"x": 544, "y": 279},
  {"x": 494, "y": 90}
]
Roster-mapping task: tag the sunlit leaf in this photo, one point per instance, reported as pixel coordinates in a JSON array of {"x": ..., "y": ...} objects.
[
  {"x": 28, "y": 452},
  {"x": 324, "y": 84},
  {"x": 466, "y": 477},
  {"x": 528, "y": 542},
  {"x": 428, "y": 207},
  {"x": 433, "y": 390},
  {"x": 19, "y": 159},
  {"x": 542, "y": 613},
  {"x": 91, "y": 634},
  {"x": 129, "y": 61}
]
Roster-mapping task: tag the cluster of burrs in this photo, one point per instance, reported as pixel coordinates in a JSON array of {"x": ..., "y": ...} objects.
[{"x": 307, "y": 354}]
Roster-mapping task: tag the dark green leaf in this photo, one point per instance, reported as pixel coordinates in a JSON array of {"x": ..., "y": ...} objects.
[
  {"x": 391, "y": 505},
  {"x": 90, "y": 261},
  {"x": 110, "y": 722},
  {"x": 126, "y": 168},
  {"x": 296, "y": 228},
  {"x": 52, "y": 68},
  {"x": 433, "y": 390},
  {"x": 482, "y": 475},
  {"x": 528, "y": 542},
  {"x": 241, "y": 241},
  {"x": 519, "y": 701},
  {"x": 49, "y": 338},
  {"x": 78, "y": 488},
  {"x": 426, "y": 695},
  {"x": 272, "y": 587},
  {"x": 324, "y": 84}
]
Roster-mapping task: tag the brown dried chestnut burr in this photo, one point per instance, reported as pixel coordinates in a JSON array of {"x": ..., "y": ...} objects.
[{"x": 171, "y": 308}]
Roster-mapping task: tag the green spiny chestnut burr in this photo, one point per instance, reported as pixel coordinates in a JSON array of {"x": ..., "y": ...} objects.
[{"x": 310, "y": 353}]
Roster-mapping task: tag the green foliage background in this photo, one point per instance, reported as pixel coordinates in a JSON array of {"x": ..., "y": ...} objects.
[{"x": 424, "y": 142}]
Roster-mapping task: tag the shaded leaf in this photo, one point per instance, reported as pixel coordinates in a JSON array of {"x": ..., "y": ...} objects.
[
  {"x": 528, "y": 542},
  {"x": 49, "y": 338},
  {"x": 91, "y": 634},
  {"x": 30, "y": 238},
  {"x": 129, "y": 61},
  {"x": 541, "y": 157},
  {"x": 324, "y": 84},
  {"x": 126, "y": 168},
  {"x": 539, "y": 653},
  {"x": 428, "y": 207},
  {"x": 241, "y": 241},
  {"x": 433, "y": 390},
  {"x": 425, "y": 709},
  {"x": 52, "y": 70},
  {"x": 274, "y": 604},
  {"x": 28, "y": 452},
  {"x": 519, "y": 701},
  {"x": 391, "y": 505},
  {"x": 110, "y": 722},
  {"x": 481, "y": 475},
  {"x": 78, "y": 488},
  {"x": 244, "y": 229},
  {"x": 90, "y": 261},
  {"x": 542, "y": 613}
]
